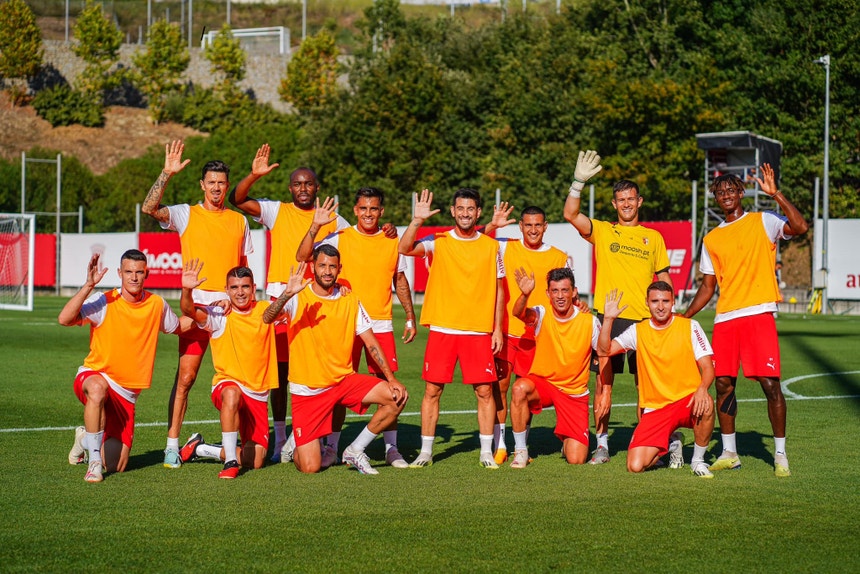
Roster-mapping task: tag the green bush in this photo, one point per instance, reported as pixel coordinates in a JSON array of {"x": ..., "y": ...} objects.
[
  {"x": 63, "y": 106},
  {"x": 203, "y": 109}
]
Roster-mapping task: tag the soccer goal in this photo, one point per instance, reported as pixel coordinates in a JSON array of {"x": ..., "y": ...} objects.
[{"x": 17, "y": 260}]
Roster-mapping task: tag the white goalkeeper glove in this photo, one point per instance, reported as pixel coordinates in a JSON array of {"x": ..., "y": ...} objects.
[{"x": 587, "y": 165}]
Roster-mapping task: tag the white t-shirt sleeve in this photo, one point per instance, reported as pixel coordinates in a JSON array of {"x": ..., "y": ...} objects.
[
  {"x": 94, "y": 309},
  {"x": 341, "y": 223},
  {"x": 429, "y": 244},
  {"x": 268, "y": 212},
  {"x": 169, "y": 320},
  {"x": 178, "y": 220},
  {"x": 291, "y": 306},
  {"x": 706, "y": 266},
  {"x": 701, "y": 345},
  {"x": 595, "y": 331},
  {"x": 215, "y": 321},
  {"x": 774, "y": 225},
  {"x": 248, "y": 244},
  {"x": 500, "y": 265},
  {"x": 627, "y": 339},
  {"x": 363, "y": 322},
  {"x": 541, "y": 313},
  {"x": 330, "y": 239},
  {"x": 401, "y": 264}
]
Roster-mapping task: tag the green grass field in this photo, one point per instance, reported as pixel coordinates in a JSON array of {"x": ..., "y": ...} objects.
[{"x": 453, "y": 516}]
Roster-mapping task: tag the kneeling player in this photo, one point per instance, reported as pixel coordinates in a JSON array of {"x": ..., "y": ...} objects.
[
  {"x": 124, "y": 326},
  {"x": 245, "y": 360},
  {"x": 564, "y": 339},
  {"x": 675, "y": 372}
]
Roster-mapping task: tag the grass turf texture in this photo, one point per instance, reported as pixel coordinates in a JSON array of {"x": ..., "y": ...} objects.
[{"x": 453, "y": 516}]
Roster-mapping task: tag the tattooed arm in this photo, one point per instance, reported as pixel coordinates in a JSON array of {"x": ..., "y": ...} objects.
[{"x": 173, "y": 164}]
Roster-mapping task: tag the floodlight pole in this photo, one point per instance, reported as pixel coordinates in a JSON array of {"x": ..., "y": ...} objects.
[
  {"x": 228, "y": 12},
  {"x": 190, "y": 24},
  {"x": 67, "y": 21},
  {"x": 304, "y": 19},
  {"x": 825, "y": 61}
]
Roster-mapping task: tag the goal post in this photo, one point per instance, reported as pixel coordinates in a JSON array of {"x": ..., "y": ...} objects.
[{"x": 17, "y": 260}]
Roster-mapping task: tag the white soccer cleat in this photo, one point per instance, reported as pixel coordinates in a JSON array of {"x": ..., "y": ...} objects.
[
  {"x": 487, "y": 461},
  {"x": 287, "y": 452},
  {"x": 359, "y": 460},
  {"x": 78, "y": 454},
  {"x": 423, "y": 459},
  {"x": 701, "y": 470},
  {"x": 395, "y": 459},
  {"x": 676, "y": 450},
  {"x": 521, "y": 459},
  {"x": 94, "y": 472}
]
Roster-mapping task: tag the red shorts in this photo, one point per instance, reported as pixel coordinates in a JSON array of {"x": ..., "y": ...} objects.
[
  {"x": 312, "y": 415},
  {"x": 571, "y": 413},
  {"x": 475, "y": 353},
  {"x": 748, "y": 341},
  {"x": 519, "y": 352},
  {"x": 193, "y": 342},
  {"x": 386, "y": 341},
  {"x": 655, "y": 427},
  {"x": 253, "y": 415},
  {"x": 119, "y": 413}
]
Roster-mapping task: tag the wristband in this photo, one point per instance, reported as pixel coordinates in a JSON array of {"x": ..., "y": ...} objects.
[
  {"x": 410, "y": 324},
  {"x": 576, "y": 188}
]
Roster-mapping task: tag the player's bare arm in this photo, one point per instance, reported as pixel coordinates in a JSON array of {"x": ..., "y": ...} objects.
[
  {"x": 501, "y": 217},
  {"x": 371, "y": 343},
  {"x": 703, "y": 295},
  {"x": 587, "y": 166},
  {"x": 296, "y": 283},
  {"x": 190, "y": 281},
  {"x": 423, "y": 211},
  {"x": 323, "y": 215},
  {"x": 259, "y": 168},
  {"x": 499, "y": 337},
  {"x": 173, "y": 164},
  {"x": 701, "y": 400},
  {"x": 404, "y": 295},
  {"x": 71, "y": 312},
  {"x": 526, "y": 283},
  {"x": 796, "y": 225}
]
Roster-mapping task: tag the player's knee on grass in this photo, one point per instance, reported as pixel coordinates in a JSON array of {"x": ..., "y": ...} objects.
[
  {"x": 574, "y": 451},
  {"x": 307, "y": 458}
]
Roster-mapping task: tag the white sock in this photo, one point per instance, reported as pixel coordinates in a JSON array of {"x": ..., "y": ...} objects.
[
  {"x": 603, "y": 440},
  {"x": 280, "y": 432},
  {"x": 390, "y": 438},
  {"x": 212, "y": 451},
  {"x": 333, "y": 439},
  {"x": 698, "y": 454},
  {"x": 520, "y": 440},
  {"x": 779, "y": 443},
  {"x": 173, "y": 443},
  {"x": 427, "y": 444},
  {"x": 364, "y": 438},
  {"x": 729, "y": 443},
  {"x": 499, "y": 436},
  {"x": 291, "y": 442},
  {"x": 228, "y": 443},
  {"x": 93, "y": 444},
  {"x": 486, "y": 443}
]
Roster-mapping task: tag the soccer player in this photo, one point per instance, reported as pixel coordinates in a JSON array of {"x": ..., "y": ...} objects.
[
  {"x": 243, "y": 353},
  {"x": 558, "y": 375},
  {"x": 464, "y": 308},
  {"x": 676, "y": 370},
  {"x": 213, "y": 234},
  {"x": 628, "y": 256},
  {"x": 370, "y": 263},
  {"x": 322, "y": 374},
  {"x": 537, "y": 258},
  {"x": 738, "y": 256},
  {"x": 124, "y": 325},
  {"x": 288, "y": 223}
]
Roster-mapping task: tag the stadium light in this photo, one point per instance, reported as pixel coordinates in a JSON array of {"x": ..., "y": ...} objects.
[{"x": 825, "y": 61}]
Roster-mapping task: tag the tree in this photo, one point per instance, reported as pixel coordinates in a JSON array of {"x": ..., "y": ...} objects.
[
  {"x": 311, "y": 79},
  {"x": 98, "y": 45},
  {"x": 20, "y": 45},
  {"x": 227, "y": 59},
  {"x": 160, "y": 66}
]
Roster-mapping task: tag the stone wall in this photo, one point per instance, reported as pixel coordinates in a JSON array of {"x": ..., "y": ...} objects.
[{"x": 263, "y": 71}]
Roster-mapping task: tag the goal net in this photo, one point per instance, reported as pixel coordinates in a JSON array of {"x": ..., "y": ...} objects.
[{"x": 17, "y": 250}]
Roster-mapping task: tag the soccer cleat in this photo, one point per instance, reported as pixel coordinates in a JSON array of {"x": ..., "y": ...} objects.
[
  {"x": 676, "y": 450},
  {"x": 287, "y": 452},
  {"x": 328, "y": 457},
  {"x": 487, "y": 461},
  {"x": 501, "y": 455},
  {"x": 171, "y": 458},
  {"x": 94, "y": 472},
  {"x": 395, "y": 459},
  {"x": 701, "y": 470},
  {"x": 600, "y": 455},
  {"x": 78, "y": 454},
  {"x": 423, "y": 459},
  {"x": 727, "y": 461},
  {"x": 231, "y": 470},
  {"x": 521, "y": 459},
  {"x": 780, "y": 466},
  {"x": 189, "y": 451},
  {"x": 359, "y": 460}
]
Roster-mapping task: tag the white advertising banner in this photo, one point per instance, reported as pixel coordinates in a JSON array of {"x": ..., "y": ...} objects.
[
  {"x": 843, "y": 277},
  {"x": 77, "y": 248}
]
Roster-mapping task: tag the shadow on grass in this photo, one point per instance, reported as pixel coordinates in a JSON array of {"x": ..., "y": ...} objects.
[{"x": 847, "y": 385}]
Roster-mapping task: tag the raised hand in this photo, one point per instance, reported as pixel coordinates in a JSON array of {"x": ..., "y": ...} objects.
[
  {"x": 424, "y": 206},
  {"x": 587, "y": 165},
  {"x": 173, "y": 163},
  {"x": 768, "y": 183},
  {"x": 260, "y": 165},
  {"x": 612, "y": 310},
  {"x": 502, "y": 214},
  {"x": 297, "y": 280},
  {"x": 95, "y": 272},
  {"x": 191, "y": 274},
  {"x": 326, "y": 213},
  {"x": 525, "y": 281}
]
